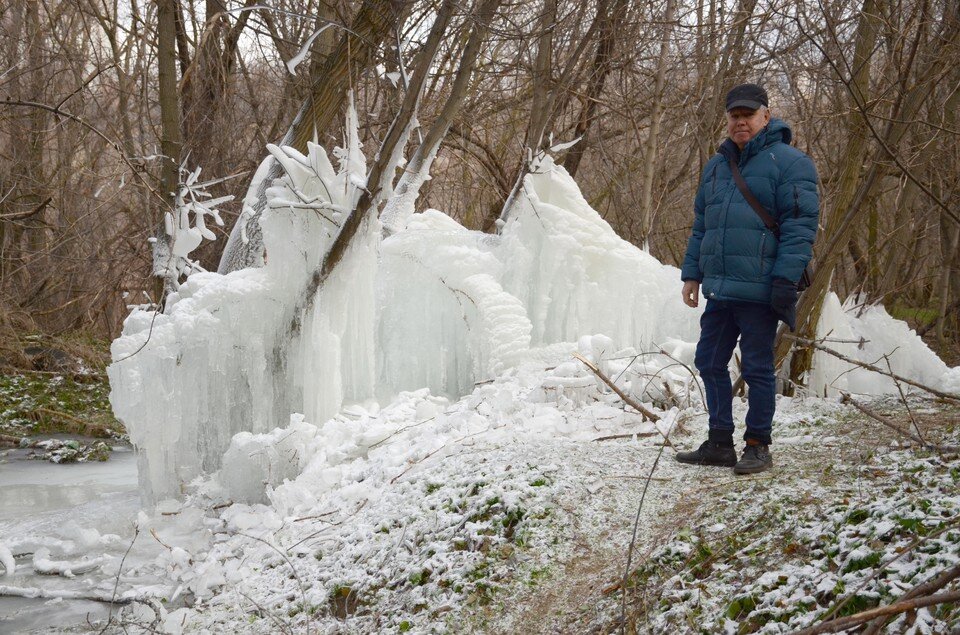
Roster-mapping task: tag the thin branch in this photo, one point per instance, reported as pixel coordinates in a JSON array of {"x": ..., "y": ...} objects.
[
  {"x": 629, "y": 435},
  {"x": 873, "y": 415},
  {"x": 636, "y": 526},
  {"x": 920, "y": 590},
  {"x": 896, "y": 608},
  {"x": 803, "y": 342},
  {"x": 17, "y": 216},
  {"x": 137, "y": 172},
  {"x": 627, "y": 400}
]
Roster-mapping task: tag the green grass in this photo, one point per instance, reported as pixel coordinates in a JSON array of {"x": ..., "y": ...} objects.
[
  {"x": 36, "y": 404},
  {"x": 917, "y": 315}
]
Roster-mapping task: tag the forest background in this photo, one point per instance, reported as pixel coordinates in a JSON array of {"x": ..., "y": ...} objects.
[{"x": 105, "y": 105}]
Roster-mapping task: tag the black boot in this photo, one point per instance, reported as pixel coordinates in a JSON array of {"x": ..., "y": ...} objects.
[
  {"x": 756, "y": 458},
  {"x": 710, "y": 453}
]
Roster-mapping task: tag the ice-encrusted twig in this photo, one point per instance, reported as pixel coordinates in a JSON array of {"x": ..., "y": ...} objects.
[
  {"x": 50, "y": 594},
  {"x": 652, "y": 416},
  {"x": 294, "y": 61},
  {"x": 281, "y": 624},
  {"x": 44, "y": 565},
  {"x": 116, "y": 581},
  {"x": 296, "y": 574},
  {"x": 7, "y": 561}
]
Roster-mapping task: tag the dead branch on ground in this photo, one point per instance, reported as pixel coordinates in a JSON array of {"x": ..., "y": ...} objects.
[
  {"x": 873, "y": 415},
  {"x": 627, "y": 400},
  {"x": 896, "y": 608}
]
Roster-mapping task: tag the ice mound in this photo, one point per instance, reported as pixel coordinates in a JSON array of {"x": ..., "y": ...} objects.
[
  {"x": 868, "y": 334},
  {"x": 254, "y": 464},
  {"x": 445, "y": 321},
  {"x": 575, "y": 276}
]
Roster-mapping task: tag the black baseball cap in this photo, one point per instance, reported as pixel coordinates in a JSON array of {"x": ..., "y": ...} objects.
[{"x": 749, "y": 96}]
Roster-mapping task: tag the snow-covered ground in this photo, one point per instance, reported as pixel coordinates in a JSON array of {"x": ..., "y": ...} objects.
[{"x": 506, "y": 511}]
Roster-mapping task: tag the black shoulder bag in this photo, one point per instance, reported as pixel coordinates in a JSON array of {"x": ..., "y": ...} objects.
[{"x": 807, "y": 276}]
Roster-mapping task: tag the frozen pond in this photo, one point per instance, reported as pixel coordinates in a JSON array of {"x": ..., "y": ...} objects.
[{"x": 56, "y": 506}]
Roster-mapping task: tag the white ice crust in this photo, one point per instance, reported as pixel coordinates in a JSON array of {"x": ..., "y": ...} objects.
[{"x": 434, "y": 306}]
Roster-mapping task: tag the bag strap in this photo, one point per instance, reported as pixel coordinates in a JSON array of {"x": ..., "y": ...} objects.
[{"x": 751, "y": 199}]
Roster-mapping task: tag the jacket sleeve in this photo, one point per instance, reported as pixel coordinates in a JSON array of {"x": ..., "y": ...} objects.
[
  {"x": 798, "y": 204},
  {"x": 690, "y": 270}
]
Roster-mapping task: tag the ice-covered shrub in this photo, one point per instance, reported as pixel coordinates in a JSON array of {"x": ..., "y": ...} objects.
[{"x": 224, "y": 357}]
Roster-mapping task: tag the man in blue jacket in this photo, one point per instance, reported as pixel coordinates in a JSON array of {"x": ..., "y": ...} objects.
[{"x": 746, "y": 272}]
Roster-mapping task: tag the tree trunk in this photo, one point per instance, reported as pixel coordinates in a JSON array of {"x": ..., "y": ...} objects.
[
  {"x": 653, "y": 137},
  {"x": 205, "y": 82},
  {"x": 419, "y": 165},
  {"x": 373, "y": 25},
  {"x": 851, "y": 191},
  {"x": 841, "y": 221},
  {"x": 170, "y": 141},
  {"x": 602, "y": 64}
]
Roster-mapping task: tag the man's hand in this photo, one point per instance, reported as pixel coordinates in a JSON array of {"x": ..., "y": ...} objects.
[
  {"x": 691, "y": 293},
  {"x": 783, "y": 301}
]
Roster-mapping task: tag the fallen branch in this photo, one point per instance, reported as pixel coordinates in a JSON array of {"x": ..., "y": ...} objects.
[
  {"x": 627, "y": 400},
  {"x": 921, "y": 590},
  {"x": 812, "y": 344},
  {"x": 877, "y": 417},
  {"x": 842, "y": 624},
  {"x": 625, "y": 436}
]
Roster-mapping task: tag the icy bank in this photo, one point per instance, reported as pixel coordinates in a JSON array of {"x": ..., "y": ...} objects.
[{"x": 433, "y": 306}]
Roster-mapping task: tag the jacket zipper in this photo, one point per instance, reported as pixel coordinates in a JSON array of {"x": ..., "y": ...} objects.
[
  {"x": 796, "y": 202},
  {"x": 763, "y": 239}
]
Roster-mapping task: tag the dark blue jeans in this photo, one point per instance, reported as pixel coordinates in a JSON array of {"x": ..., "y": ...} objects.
[{"x": 720, "y": 325}]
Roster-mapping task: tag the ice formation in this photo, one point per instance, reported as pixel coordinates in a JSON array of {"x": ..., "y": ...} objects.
[
  {"x": 225, "y": 357},
  {"x": 869, "y": 334},
  {"x": 433, "y": 306}
]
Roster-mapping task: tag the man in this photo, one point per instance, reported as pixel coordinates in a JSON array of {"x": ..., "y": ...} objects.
[{"x": 747, "y": 275}]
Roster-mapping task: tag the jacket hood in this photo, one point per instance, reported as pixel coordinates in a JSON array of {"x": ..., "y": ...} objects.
[{"x": 776, "y": 131}]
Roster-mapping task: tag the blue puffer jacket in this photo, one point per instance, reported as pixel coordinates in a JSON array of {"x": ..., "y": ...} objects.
[{"x": 730, "y": 251}]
